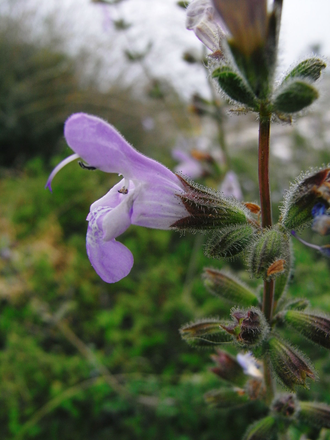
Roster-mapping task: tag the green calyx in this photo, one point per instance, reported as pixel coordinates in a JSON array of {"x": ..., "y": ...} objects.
[
  {"x": 268, "y": 254},
  {"x": 289, "y": 365},
  {"x": 264, "y": 429},
  {"x": 229, "y": 242},
  {"x": 205, "y": 333},
  {"x": 208, "y": 209},
  {"x": 227, "y": 287},
  {"x": 312, "y": 326},
  {"x": 226, "y": 397},
  {"x": 315, "y": 414}
]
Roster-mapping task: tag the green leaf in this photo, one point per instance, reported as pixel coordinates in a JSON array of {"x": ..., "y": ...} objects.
[
  {"x": 235, "y": 87},
  {"x": 309, "y": 69},
  {"x": 294, "y": 97},
  {"x": 227, "y": 287}
]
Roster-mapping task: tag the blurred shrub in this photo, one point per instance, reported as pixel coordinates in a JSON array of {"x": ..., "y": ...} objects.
[{"x": 40, "y": 86}]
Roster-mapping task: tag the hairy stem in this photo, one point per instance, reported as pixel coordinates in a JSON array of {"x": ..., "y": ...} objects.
[{"x": 266, "y": 222}]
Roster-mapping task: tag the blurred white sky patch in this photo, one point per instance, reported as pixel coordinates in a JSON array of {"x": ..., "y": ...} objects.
[
  {"x": 305, "y": 23},
  {"x": 89, "y": 27}
]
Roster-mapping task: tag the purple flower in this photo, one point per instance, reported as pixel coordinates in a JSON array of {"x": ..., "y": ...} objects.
[
  {"x": 146, "y": 196},
  {"x": 188, "y": 165},
  {"x": 230, "y": 186},
  {"x": 204, "y": 21}
]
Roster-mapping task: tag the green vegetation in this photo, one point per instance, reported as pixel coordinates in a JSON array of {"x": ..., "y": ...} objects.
[{"x": 81, "y": 359}]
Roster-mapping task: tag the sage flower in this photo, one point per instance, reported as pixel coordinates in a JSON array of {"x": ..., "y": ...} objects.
[
  {"x": 203, "y": 19},
  {"x": 147, "y": 195}
]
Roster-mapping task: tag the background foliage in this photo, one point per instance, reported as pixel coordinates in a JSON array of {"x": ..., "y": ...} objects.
[{"x": 82, "y": 359}]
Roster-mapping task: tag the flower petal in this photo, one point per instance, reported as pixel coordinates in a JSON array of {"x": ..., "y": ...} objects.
[
  {"x": 157, "y": 206},
  {"x": 111, "y": 260},
  {"x": 203, "y": 20},
  {"x": 101, "y": 146}
]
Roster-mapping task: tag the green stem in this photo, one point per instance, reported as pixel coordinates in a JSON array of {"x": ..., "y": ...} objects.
[{"x": 266, "y": 222}]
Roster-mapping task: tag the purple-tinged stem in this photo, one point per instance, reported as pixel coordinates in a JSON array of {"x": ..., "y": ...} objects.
[{"x": 266, "y": 222}]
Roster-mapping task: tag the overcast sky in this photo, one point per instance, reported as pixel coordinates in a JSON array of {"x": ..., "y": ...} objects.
[{"x": 305, "y": 23}]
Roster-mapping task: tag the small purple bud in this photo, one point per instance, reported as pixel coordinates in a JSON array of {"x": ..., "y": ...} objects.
[
  {"x": 249, "y": 327},
  {"x": 285, "y": 405}
]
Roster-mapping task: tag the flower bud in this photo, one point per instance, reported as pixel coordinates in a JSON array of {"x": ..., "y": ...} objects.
[
  {"x": 235, "y": 87},
  {"x": 309, "y": 69},
  {"x": 264, "y": 429},
  {"x": 249, "y": 327},
  {"x": 208, "y": 209},
  {"x": 312, "y": 326},
  {"x": 204, "y": 21},
  {"x": 300, "y": 200},
  {"x": 270, "y": 247},
  {"x": 294, "y": 96},
  {"x": 297, "y": 304},
  {"x": 205, "y": 333},
  {"x": 227, "y": 287},
  {"x": 228, "y": 368},
  {"x": 229, "y": 242},
  {"x": 315, "y": 414},
  {"x": 289, "y": 364},
  {"x": 226, "y": 397},
  {"x": 285, "y": 406}
]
